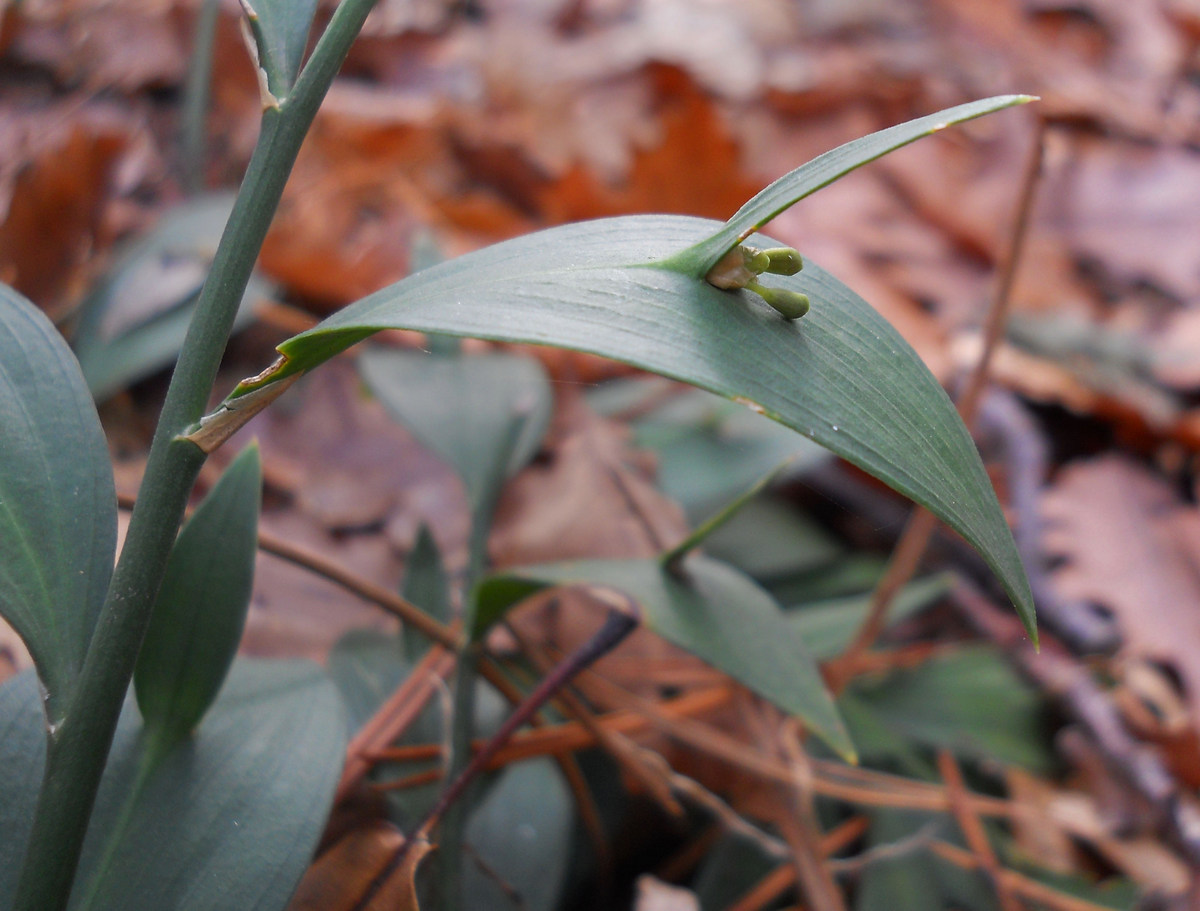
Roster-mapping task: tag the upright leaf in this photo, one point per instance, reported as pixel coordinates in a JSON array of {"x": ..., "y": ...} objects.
[
  {"x": 280, "y": 29},
  {"x": 202, "y": 604},
  {"x": 713, "y": 611},
  {"x": 425, "y": 585},
  {"x": 58, "y": 508},
  {"x": 463, "y": 408}
]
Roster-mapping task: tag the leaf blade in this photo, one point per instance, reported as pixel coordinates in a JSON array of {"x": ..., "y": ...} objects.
[
  {"x": 280, "y": 29},
  {"x": 202, "y": 603},
  {"x": 842, "y": 376},
  {"x": 714, "y": 612},
  {"x": 58, "y": 506},
  {"x": 825, "y": 169}
]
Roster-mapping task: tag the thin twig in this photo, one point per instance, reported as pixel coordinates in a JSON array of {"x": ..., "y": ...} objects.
[
  {"x": 803, "y": 829},
  {"x": 617, "y": 745},
  {"x": 830, "y": 779},
  {"x": 973, "y": 831},
  {"x": 618, "y": 625},
  {"x": 774, "y": 884},
  {"x": 389, "y": 722},
  {"x": 1020, "y": 884}
]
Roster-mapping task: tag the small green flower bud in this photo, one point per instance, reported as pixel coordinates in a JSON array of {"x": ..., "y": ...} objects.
[
  {"x": 791, "y": 305},
  {"x": 782, "y": 261}
]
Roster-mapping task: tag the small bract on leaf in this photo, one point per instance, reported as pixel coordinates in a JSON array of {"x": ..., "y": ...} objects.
[{"x": 280, "y": 31}]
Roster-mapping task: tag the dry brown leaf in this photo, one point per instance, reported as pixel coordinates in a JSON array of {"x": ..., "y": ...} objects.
[
  {"x": 655, "y": 895},
  {"x": 1128, "y": 208},
  {"x": 55, "y": 179},
  {"x": 127, "y": 45},
  {"x": 345, "y": 875},
  {"x": 1143, "y": 859},
  {"x": 587, "y": 500},
  {"x": 1036, "y": 834},
  {"x": 1120, "y": 532}
]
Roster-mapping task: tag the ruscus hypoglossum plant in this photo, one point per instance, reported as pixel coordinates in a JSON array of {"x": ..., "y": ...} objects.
[{"x": 186, "y": 809}]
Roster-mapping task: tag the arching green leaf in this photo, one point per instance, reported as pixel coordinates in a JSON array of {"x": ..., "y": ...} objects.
[
  {"x": 824, "y": 170},
  {"x": 712, "y": 611},
  {"x": 841, "y": 376}
]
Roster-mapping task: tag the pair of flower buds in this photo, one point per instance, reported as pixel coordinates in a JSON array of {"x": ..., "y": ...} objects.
[{"x": 741, "y": 266}]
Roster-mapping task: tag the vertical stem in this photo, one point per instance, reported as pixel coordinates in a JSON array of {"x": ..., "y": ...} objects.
[
  {"x": 454, "y": 825},
  {"x": 78, "y": 743}
]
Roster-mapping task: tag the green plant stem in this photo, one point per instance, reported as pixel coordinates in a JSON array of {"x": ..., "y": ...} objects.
[
  {"x": 79, "y": 741},
  {"x": 454, "y": 823},
  {"x": 196, "y": 95}
]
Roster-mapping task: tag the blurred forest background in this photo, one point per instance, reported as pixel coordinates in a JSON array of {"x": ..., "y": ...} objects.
[{"x": 457, "y": 124}]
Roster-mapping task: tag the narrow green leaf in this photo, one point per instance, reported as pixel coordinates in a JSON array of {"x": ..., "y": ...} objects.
[
  {"x": 824, "y": 170},
  {"x": 841, "y": 376},
  {"x": 58, "y": 508},
  {"x": 280, "y": 29},
  {"x": 828, "y": 626},
  {"x": 722, "y": 517},
  {"x": 201, "y": 608},
  {"x": 771, "y": 541},
  {"x": 463, "y": 408},
  {"x": 134, "y": 321},
  {"x": 714, "y": 612}
]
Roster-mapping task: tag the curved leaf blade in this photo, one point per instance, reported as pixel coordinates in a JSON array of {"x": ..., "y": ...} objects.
[
  {"x": 841, "y": 376},
  {"x": 714, "y": 612},
  {"x": 202, "y": 603},
  {"x": 824, "y": 170},
  {"x": 22, "y": 756},
  {"x": 58, "y": 507},
  {"x": 464, "y": 408},
  {"x": 228, "y": 818}
]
